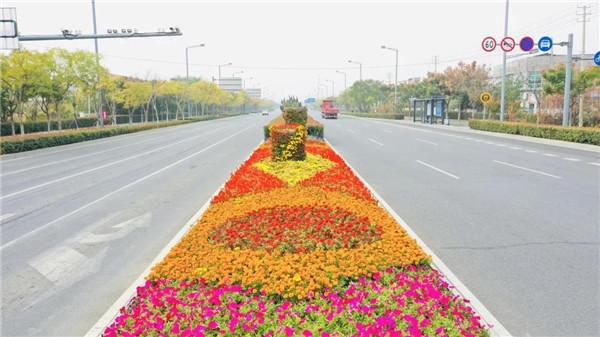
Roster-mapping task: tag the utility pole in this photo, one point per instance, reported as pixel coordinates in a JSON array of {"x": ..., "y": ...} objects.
[
  {"x": 568, "y": 81},
  {"x": 582, "y": 95},
  {"x": 100, "y": 114},
  {"x": 435, "y": 62},
  {"x": 504, "y": 64}
]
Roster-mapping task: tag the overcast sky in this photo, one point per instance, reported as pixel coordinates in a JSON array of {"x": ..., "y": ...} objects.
[{"x": 287, "y": 48}]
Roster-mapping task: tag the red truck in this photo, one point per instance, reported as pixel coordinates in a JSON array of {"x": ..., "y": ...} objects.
[{"x": 328, "y": 110}]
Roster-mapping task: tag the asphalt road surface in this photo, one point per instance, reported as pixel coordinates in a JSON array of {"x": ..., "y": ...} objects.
[
  {"x": 81, "y": 222},
  {"x": 517, "y": 222}
]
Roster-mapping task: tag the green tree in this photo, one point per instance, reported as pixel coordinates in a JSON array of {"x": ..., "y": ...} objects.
[{"x": 134, "y": 95}]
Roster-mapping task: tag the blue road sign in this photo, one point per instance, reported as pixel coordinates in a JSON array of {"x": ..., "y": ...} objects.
[
  {"x": 597, "y": 58},
  {"x": 526, "y": 43},
  {"x": 545, "y": 44}
]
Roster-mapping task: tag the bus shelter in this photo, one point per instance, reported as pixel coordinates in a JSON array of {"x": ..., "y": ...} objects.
[{"x": 431, "y": 110}]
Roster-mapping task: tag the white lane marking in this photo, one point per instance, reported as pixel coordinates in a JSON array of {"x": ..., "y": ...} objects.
[
  {"x": 388, "y": 131},
  {"x": 572, "y": 159},
  {"x": 478, "y": 140},
  {"x": 122, "y": 301},
  {"x": 6, "y": 216},
  {"x": 351, "y": 131},
  {"x": 490, "y": 143},
  {"x": 515, "y": 148},
  {"x": 121, "y": 230},
  {"x": 550, "y": 155},
  {"x": 439, "y": 170},
  {"x": 469, "y": 138},
  {"x": 501, "y": 145},
  {"x": 425, "y": 141},
  {"x": 591, "y": 163},
  {"x": 19, "y": 239},
  {"x": 527, "y": 169},
  {"x": 497, "y": 329},
  {"x": 78, "y": 157},
  {"x": 376, "y": 142},
  {"x": 104, "y": 166},
  {"x": 532, "y": 151}
]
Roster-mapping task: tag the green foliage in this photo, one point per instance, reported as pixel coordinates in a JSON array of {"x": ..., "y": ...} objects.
[
  {"x": 290, "y": 102},
  {"x": 288, "y": 142},
  {"x": 31, "y": 127},
  {"x": 313, "y": 131},
  {"x": 374, "y": 115},
  {"x": 569, "y": 134},
  {"x": 295, "y": 115}
]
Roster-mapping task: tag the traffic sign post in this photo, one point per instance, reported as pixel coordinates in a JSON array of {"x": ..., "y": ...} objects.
[
  {"x": 488, "y": 44},
  {"x": 485, "y": 97},
  {"x": 507, "y": 44},
  {"x": 597, "y": 58},
  {"x": 526, "y": 44},
  {"x": 545, "y": 44}
]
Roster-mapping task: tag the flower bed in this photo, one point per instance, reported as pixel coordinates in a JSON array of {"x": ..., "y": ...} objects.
[{"x": 288, "y": 250}]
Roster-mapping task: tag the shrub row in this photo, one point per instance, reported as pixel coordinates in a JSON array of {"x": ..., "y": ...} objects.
[
  {"x": 70, "y": 137},
  {"x": 372, "y": 115},
  {"x": 295, "y": 115},
  {"x": 314, "y": 129},
  {"x": 569, "y": 134}
]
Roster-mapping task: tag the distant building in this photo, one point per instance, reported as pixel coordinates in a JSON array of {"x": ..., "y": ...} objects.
[
  {"x": 231, "y": 84},
  {"x": 254, "y": 92},
  {"x": 530, "y": 69}
]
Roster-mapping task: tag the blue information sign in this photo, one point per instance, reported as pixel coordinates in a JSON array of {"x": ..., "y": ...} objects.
[
  {"x": 526, "y": 43},
  {"x": 545, "y": 44},
  {"x": 597, "y": 58}
]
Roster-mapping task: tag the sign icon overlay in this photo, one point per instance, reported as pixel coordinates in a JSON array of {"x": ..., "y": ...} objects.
[
  {"x": 526, "y": 43},
  {"x": 545, "y": 44},
  {"x": 488, "y": 44},
  {"x": 507, "y": 44},
  {"x": 485, "y": 97}
]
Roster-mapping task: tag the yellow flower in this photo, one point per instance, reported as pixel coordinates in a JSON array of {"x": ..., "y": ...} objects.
[{"x": 296, "y": 278}]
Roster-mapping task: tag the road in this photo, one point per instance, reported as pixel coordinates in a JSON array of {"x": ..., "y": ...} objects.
[
  {"x": 81, "y": 222},
  {"x": 517, "y": 222}
]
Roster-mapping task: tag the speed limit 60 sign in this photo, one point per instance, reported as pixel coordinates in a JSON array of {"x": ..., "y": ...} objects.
[
  {"x": 485, "y": 97},
  {"x": 488, "y": 44}
]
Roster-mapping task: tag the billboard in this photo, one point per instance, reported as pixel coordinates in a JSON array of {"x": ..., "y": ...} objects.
[
  {"x": 231, "y": 84},
  {"x": 254, "y": 92}
]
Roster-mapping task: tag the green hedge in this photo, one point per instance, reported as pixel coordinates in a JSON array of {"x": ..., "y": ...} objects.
[
  {"x": 42, "y": 126},
  {"x": 569, "y": 134},
  {"x": 314, "y": 131},
  {"x": 372, "y": 115},
  {"x": 295, "y": 115},
  {"x": 22, "y": 145}
]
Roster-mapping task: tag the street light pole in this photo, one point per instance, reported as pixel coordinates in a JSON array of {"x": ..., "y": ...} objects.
[
  {"x": 343, "y": 73},
  {"x": 360, "y": 67},
  {"x": 332, "y": 88},
  {"x": 396, "y": 81},
  {"x": 237, "y": 72},
  {"x": 187, "y": 72},
  {"x": 246, "y": 80},
  {"x": 100, "y": 114},
  {"x": 504, "y": 65},
  {"x": 222, "y": 65},
  {"x": 567, "y": 94}
]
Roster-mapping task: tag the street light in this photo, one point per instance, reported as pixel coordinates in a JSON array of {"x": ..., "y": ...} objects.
[
  {"x": 396, "y": 81},
  {"x": 332, "y": 88},
  {"x": 187, "y": 73},
  {"x": 343, "y": 73},
  {"x": 237, "y": 72},
  {"x": 246, "y": 80},
  {"x": 222, "y": 65},
  {"x": 360, "y": 65}
]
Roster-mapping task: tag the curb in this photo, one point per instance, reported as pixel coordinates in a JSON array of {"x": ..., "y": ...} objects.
[
  {"x": 496, "y": 329},
  {"x": 125, "y": 298}
]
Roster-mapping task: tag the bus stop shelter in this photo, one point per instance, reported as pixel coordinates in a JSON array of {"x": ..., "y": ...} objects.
[{"x": 431, "y": 110}]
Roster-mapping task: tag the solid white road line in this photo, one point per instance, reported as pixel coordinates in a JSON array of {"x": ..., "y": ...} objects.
[
  {"x": 572, "y": 159},
  {"x": 124, "y": 299},
  {"x": 497, "y": 328},
  {"x": 21, "y": 238},
  {"x": 439, "y": 170},
  {"x": 527, "y": 169},
  {"x": 425, "y": 141},
  {"x": 6, "y": 216},
  {"x": 351, "y": 131},
  {"x": 104, "y": 166},
  {"x": 376, "y": 142}
]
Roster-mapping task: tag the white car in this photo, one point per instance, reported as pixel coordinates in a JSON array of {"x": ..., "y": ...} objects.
[{"x": 265, "y": 113}]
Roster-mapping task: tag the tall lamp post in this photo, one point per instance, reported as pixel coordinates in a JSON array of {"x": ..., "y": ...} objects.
[
  {"x": 187, "y": 71},
  {"x": 343, "y": 73},
  {"x": 246, "y": 79},
  {"x": 332, "y": 88},
  {"x": 237, "y": 72},
  {"x": 396, "y": 81},
  {"x": 222, "y": 65},
  {"x": 360, "y": 65}
]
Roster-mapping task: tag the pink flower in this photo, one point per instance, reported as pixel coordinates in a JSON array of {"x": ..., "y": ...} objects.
[
  {"x": 307, "y": 333},
  {"x": 289, "y": 331},
  {"x": 213, "y": 325}
]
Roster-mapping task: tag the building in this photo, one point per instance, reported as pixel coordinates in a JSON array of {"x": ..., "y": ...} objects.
[
  {"x": 231, "y": 84},
  {"x": 254, "y": 92},
  {"x": 530, "y": 69}
]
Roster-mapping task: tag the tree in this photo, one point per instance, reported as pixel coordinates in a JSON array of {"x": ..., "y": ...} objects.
[
  {"x": 134, "y": 95},
  {"x": 364, "y": 94},
  {"x": 21, "y": 73},
  {"x": 204, "y": 93},
  {"x": 112, "y": 86},
  {"x": 174, "y": 91},
  {"x": 466, "y": 80}
]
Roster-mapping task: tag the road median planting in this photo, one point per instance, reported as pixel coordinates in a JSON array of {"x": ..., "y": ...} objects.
[{"x": 295, "y": 248}]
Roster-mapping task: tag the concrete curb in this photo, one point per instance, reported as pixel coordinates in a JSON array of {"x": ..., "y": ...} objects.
[
  {"x": 125, "y": 298},
  {"x": 497, "y": 329},
  {"x": 553, "y": 142}
]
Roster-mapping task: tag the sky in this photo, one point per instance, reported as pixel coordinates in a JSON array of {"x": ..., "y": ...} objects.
[{"x": 297, "y": 47}]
